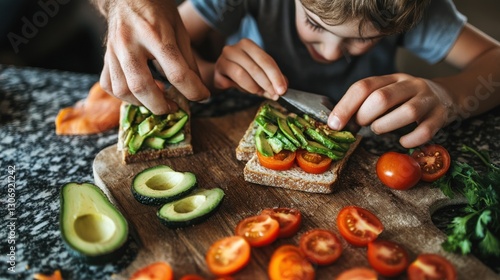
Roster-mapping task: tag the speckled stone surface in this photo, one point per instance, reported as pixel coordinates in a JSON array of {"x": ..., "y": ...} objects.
[{"x": 42, "y": 162}]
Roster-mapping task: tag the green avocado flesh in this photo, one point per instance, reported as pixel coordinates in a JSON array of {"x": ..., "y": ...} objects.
[
  {"x": 161, "y": 184},
  {"x": 192, "y": 209},
  {"x": 91, "y": 226}
]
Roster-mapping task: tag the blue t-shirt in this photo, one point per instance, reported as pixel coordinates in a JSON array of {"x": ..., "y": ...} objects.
[{"x": 271, "y": 24}]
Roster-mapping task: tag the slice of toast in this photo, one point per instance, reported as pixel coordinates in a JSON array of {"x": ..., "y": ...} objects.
[
  {"x": 294, "y": 178},
  {"x": 182, "y": 148}
]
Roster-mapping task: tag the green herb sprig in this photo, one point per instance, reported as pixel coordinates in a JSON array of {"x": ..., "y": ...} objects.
[{"x": 479, "y": 230}]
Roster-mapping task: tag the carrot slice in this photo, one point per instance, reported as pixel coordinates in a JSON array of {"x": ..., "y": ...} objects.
[
  {"x": 55, "y": 276},
  {"x": 99, "y": 112}
]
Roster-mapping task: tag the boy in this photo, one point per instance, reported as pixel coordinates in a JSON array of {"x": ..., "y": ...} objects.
[{"x": 346, "y": 50}]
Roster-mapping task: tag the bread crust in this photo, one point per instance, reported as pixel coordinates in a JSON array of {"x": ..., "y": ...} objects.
[
  {"x": 294, "y": 178},
  {"x": 182, "y": 148}
]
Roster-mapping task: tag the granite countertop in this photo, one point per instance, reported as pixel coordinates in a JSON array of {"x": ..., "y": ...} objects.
[{"x": 36, "y": 163}]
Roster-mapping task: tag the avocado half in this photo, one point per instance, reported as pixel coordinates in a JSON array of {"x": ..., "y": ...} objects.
[{"x": 91, "y": 226}]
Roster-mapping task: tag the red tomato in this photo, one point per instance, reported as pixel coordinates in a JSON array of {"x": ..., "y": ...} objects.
[
  {"x": 228, "y": 255},
  {"x": 154, "y": 271},
  {"x": 320, "y": 246},
  {"x": 358, "y": 226},
  {"x": 431, "y": 266},
  {"x": 260, "y": 230},
  {"x": 283, "y": 160},
  {"x": 287, "y": 262},
  {"x": 358, "y": 273},
  {"x": 398, "y": 171},
  {"x": 434, "y": 161},
  {"x": 289, "y": 220},
  {"x": 312, "y": 162},
  {"x": 192, "y": 277},
  {"x": 387, "y": 258}
]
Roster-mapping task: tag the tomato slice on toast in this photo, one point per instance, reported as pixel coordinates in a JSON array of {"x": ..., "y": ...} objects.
[
  {"x": 312, "y": 162},
  {"x": 283, "y": 160}
]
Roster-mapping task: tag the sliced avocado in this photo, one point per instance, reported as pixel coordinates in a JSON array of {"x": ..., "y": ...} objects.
[
  {"x": 340, "y": 136},
  {"x": 287, "y": 144},
  {"x": 146, "y": 125},
  {"x": 178, "y": 137},
  {"x": 297, "y": 132},
  {"x": 171, "y": 131},
  {"x": 285, "y": 129},
  {"x": 271, "y": 113},
  {"x": 302, "y": 123},
  {"x": 192, "y": 209},
  {"x": 269, "y": 128},
  {"x": 315, "y": 147},
  {"x": 161, "y": 184},
  {"x": 91, "y": 226},
  {"x": 155, "y": 142},
  {"x": 276, "y": 144},
  {"x": 135, "y": 143},
  {"x": 129, "y": 116},
  {"x": 176, "y": 116},
  {"x": 262, "y": 144},
  {"x": 320, "y": 137}
]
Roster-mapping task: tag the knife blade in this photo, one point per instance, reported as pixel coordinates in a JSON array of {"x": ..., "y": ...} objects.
[
  {"x": 312, "y": 104},
  {"x": 317, "y": 106}
]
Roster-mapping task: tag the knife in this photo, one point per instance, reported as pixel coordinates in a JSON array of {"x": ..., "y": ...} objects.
[
  {"x": 301, "y": 102},
  {"x": 317, "y": 106}
]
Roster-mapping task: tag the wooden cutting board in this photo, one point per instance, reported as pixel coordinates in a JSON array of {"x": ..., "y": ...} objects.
[{"x": 405, "y": 214}]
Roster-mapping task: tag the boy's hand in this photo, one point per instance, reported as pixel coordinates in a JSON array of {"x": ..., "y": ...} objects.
[
  {"x": 387, "y": 103},
  {"x": 249, "y": 68}
]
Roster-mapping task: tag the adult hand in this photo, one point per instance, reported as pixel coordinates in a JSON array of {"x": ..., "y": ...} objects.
[
  {"x": 143, "y": 30},
  {"x": 387, "y": 103},
  {"x": 249, "y": 68}
]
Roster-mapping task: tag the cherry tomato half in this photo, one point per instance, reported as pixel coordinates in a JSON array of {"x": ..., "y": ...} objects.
[
  {"x": 387, "y": 258},
  {"x": 289, "y": 220},
  {"x": 320, "y": 246},
  {"x": 283, "y": 160},
  {"x": 358, "y": 226},
  {"x": 312, "y": 162},
  {"x": 287, "y": 262},
  {"x": 398, "y": 171},
  {"x": 434, "y": 161},
  {"x": 431, "y": 266},
  {"x": 154, "y": 271},
  {"x": 260, "y": 230},
  {"x": 358, "y": 273},
  {"x": 228, "y": 255}
]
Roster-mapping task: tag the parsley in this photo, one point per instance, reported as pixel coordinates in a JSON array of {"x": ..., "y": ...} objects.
[{"x": 478, "y": 230}]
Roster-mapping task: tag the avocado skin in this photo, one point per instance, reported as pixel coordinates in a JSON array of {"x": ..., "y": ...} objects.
[{"x": 115, "y": 252}]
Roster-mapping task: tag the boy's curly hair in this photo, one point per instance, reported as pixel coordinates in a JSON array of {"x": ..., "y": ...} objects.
[{"x": 387, "y": 16}]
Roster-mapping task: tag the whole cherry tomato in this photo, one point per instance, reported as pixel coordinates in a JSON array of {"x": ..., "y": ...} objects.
[{"x": 398, "y": 171}]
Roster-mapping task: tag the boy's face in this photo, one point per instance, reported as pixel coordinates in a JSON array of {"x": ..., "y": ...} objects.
[{"x": 328, "y": 43}]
